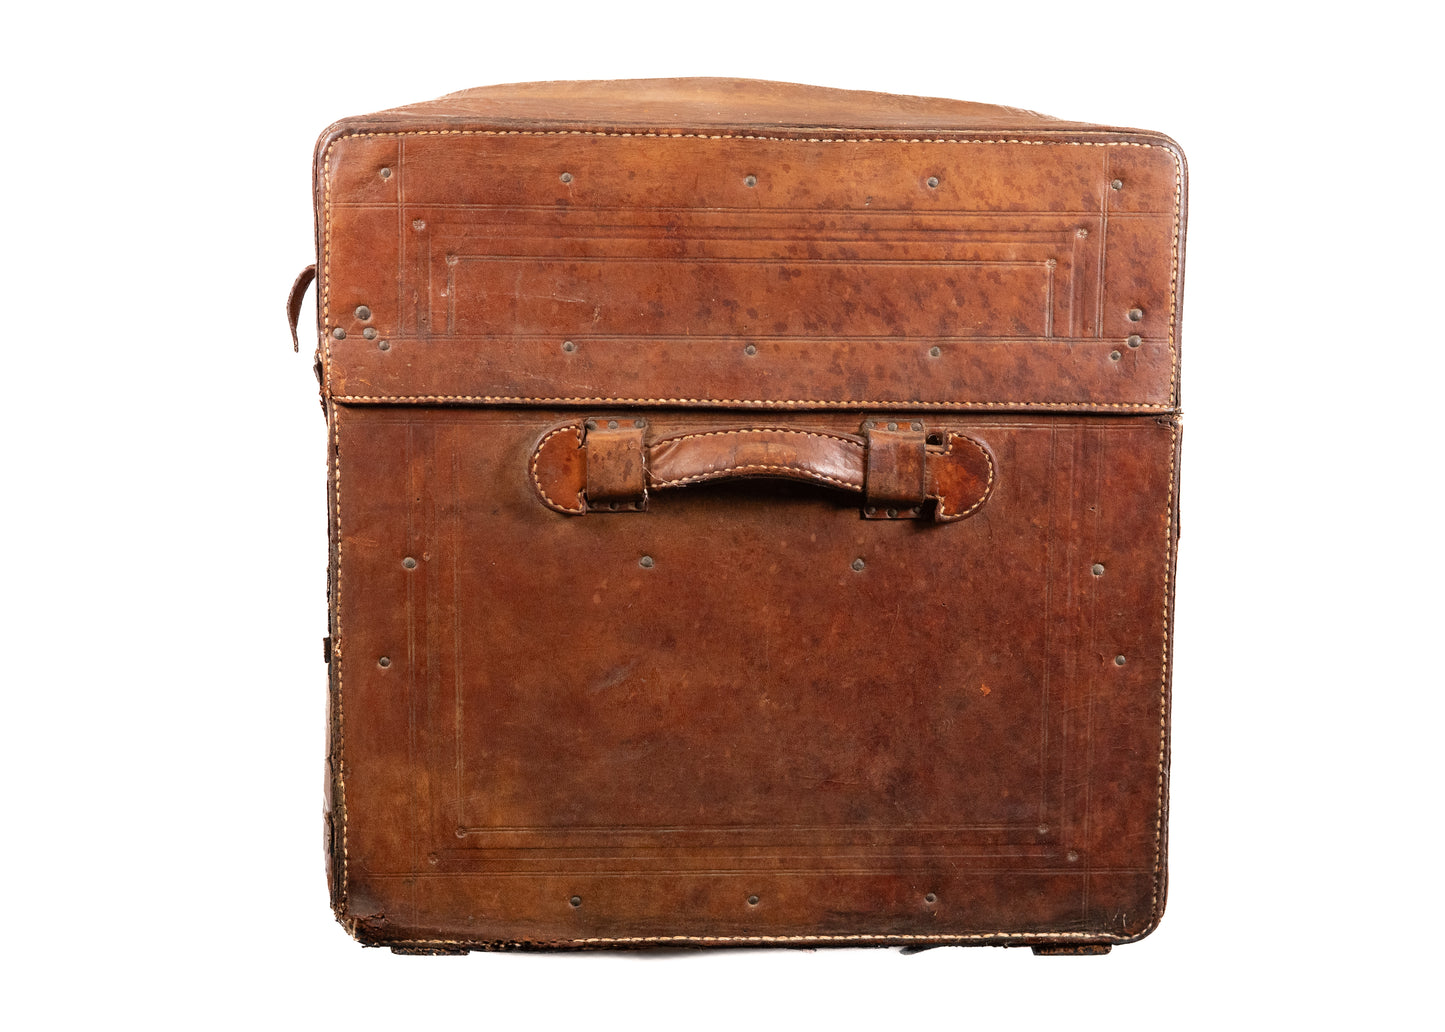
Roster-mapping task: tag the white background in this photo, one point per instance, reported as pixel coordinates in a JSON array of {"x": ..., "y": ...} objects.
[{"x": 164, "y": 509}]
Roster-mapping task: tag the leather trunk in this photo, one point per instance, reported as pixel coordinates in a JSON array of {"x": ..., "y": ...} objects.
[{"x": 753, "y": 513}]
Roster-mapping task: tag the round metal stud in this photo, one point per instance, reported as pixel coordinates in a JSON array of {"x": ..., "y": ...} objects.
[
  {"x": 934, "y": 352},
  {"x": 1117, "y": 184},
  {"x": 1120, "y": 661},
  {"x": 915, "y": 426},
  {"x": 1134, "y": 340},
  {"x": 612, "y": 424},
  {"x": 568, "y": 346},
  {"x": 750, "y": 349},
  {"x": 1097, "y": 569},
  {"x": 639, "y": 423},
  {"x": 1115, "y": 355},
  {"x": 408, "y": 563},
  {"x": 871, "y": 509},
  {"x": 892, "y": 514},
  {"x": 753, "y": 901},
  {"x": 858, "y": 565},
  {"x": 933, "y": 182},
  {"x": 575, "y": 902},
  {"x": 1136, "y": 314},
  {"x": 385, "y": 173},
  {"x": 591, "y": 424},
  {"x": 566, "y": 177},
  {"x": 363, "y": 313},
  {"x": 370, "y": 333},
  {"x": 646, "y": 562},
  {"x": 1072, "y": 856},
  {"x": 384, "y": 662},
  {"x": 750, "y": 181},
  {"x": 339, "y": 333},
  {"x": 383, "y": 345},
  {"x": 1083, "y": 233},
  {"x": 892, "y": 426},
  {"x": 930, "y": 898}
]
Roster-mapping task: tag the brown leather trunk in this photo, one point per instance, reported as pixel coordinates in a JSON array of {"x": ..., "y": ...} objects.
[{"x": 753, "y": 516}]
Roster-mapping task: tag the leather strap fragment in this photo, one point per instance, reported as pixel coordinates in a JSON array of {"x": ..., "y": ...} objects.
[
  {"x": 293, "y": 302},
  {"x": 616, "y": 466},
  {"x": 895, "y": 484}
]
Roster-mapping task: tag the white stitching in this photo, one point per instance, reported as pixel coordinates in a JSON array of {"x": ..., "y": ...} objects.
[
  {"x": 757, "y": 467},
  {"x": 337, "y": 652},
  {"x": 845, "y": 438},
  {"x": 602, "y": 940},
  {"x": 576, "y": 428},
  {"x": 987, "y": 488},
  {"x": 490, "y": 399}
]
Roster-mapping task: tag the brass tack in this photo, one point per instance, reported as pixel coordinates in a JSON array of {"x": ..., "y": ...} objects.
[
  {"x": 1072, "y": 856},
  {"x": 1082, "y": 233},
  {"x": 639, "y": 423},
  {"x": 370, "y": 333},
  {"x": 1134, "y": 340},
  {"x": 892, "y": 426},
  {"x": 752, "y": 901},
  {"x": 591, "y": 424},
  {"x": 339, "y": 333},
  {"x": 1135, "y": 314},
  {"x": 915, "y": 426},
  {"x": 418, "y": 224},
  {"x": 575, "y": 901},
  {"x": 870, "y": 510},
  {"x": 892, "y": 514},
  {"x": 363, "y": 313},
  {"x": 612, "y": 424}
]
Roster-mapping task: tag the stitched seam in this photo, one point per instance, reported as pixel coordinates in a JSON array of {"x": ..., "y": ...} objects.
[
  {"x": 761, "y": 430},
  {"x": 337, "y": 654},
  {"x": 600, "y": 940},
  {"x": 537, "y": 458},
  {"x": 1174, "y": 276},
  {"x": 1164, "y": 681},
  {"x": 987, "y": 487},
  {"x": 757, "y": 467},
  {"x": 491, "y": 399},
  {"x": 750, "y": 136}
]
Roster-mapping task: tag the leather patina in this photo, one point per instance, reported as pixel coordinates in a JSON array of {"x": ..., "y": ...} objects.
[{"x": 872, "y": 406}]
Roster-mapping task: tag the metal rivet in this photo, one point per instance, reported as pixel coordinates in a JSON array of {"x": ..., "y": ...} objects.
[
  {"x": 339, "y": 333},
  {"x": 384, "y": 345},
  {"x": 750, "y": 181},
  {"x": 370, "y": 333},
  {"x": 933, "y": 182},
  {"x": 575, "y": 901},
  {"x": 639, "y": 423},
  {"x": 645, "y": 562},
  {"x": 1072, "y": 857},
  {"x": 930, "y": 898},
  {"x": 750, "y": 349},
  {"x": 1117, "y": 184},
  {"x": 566, "y": 177},
  {"x": 363, "y": 313},
  {"x": 1135, "y": 314},
  {"x": 752, "y": 901},
  {"x": 892, "y": 514},
  {"x": 1120, "y": 661},
  {"x": 870, "y": 510},
  {"x": 915, "y": 426},
  {"x": 892, "y": 426},
  {"x": 386, "y": 173},
  {"x": 868, "y": 423},
  {"x": 591, "y": 424},
  {"x": 1134, "y": 340},
  {"x": 934, "y": 352},
  {"x": 857, "y": 565},
  {"x": 409, "y": 563},
  {"x": 1116, "y": 355},
  {"x": 418, "y": 224},
  {"x": 1097, "y": 569},
  {"x": 1083, "y": 233},
  {"x": 384, "y": 662},
  {"x": 612, "y": 424},
  {"x": 568, "y": 346}
]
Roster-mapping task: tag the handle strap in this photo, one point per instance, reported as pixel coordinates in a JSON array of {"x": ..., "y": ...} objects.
[
  {"x": 293, "y": 302},
  {"x": 901, "y": 469}
]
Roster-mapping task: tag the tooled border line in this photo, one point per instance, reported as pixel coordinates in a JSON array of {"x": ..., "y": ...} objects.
[
  {"x": 325, "y": 309},
  {"x": 1169, "y": 543}
]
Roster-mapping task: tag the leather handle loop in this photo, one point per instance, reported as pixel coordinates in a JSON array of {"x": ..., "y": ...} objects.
[
  {"x": 612, "y": 465},
  {"x": 293, "y": 302}
]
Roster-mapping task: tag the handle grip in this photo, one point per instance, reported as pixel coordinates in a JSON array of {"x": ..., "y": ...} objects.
[{"x": 902, "y": 469}]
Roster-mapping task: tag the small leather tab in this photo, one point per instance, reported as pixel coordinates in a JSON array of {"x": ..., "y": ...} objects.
[
  {"x": 293, "y": 302},
  {"x": 616, "y": 466},
  {"x": 894, "y": 482}
]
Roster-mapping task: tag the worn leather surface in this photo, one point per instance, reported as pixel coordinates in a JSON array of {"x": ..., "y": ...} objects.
[{"x": 740, "y": 708}]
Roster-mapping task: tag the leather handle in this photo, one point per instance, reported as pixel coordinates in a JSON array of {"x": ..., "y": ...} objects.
[
  {"x": 903, "y": 470},
  {"x": 293, "y": 302}
]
